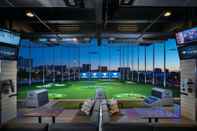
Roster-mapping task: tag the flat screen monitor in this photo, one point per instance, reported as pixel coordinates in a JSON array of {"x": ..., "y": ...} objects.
[
  {"x": 8, "y": 52},
  {"x": 9, "y": 37},
  {"x": 187, "y": 36},
  {"x": 188, "y": 52}
]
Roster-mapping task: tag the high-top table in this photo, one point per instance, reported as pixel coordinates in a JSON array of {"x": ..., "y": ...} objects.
[
  {"x": 53, "y": 113},
  {"x": 156, "y": 114}
]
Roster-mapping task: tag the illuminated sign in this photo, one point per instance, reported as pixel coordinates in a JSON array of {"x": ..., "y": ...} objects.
[
  {"x": 114, "y": 74},
  {"x": 104, "y": 75},
  {"x": 95, "y": 75},
  {"x": 84, "y": 75},
  {"x": 100, "y": 75}
]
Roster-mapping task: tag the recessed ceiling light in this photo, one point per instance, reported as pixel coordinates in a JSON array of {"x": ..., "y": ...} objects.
[
  {"x": 167, "y": 14},
  {"x": 29, "y": 14}
]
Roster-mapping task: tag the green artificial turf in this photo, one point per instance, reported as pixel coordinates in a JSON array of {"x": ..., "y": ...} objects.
[{"x": 86, "y": 89}]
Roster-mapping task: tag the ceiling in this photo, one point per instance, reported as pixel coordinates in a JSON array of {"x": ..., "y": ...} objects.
[
  {"x": 90, "y": 3},
  {"x": 99, "y": 17},
  {"x": 44, "y": 3}
]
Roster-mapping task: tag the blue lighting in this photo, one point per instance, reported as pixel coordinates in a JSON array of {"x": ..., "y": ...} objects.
[
  {"x": 115, "y": 74},
  {"x": 104, "y": 75},
  {"x": 84, "y": 75},
  {"x": 100, "y": 75},
  {"x": 43, "y": 40},
  {"x": 95, "y": 75}
]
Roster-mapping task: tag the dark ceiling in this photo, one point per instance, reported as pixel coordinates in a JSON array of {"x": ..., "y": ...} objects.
[{"x": 98, "y": 16}]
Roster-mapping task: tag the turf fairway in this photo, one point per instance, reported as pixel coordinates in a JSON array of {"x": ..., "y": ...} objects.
[{"x": 87, "y": 89}]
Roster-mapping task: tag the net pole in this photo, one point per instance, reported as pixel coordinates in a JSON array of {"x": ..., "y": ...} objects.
[
  {"x": 138, "y": 64},
  {"x": 153, "y": 82}
]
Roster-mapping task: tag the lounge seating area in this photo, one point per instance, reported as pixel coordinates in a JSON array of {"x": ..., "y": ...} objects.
[
  {"x": 102, "y": 114},
  {"x": 88, "y": 111}
]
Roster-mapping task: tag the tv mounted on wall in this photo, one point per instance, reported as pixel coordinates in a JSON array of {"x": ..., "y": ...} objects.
[
  {"x": 186, "y": 37},
  {"x": 8, "y": 52},
  {"x": 9, "y": 42},
  {"x": 9, "y": 37},
  {"x": 188, "y": 52}
]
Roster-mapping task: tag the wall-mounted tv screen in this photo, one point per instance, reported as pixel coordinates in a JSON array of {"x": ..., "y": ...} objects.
[
  {"x": 188, "y": 52},
  {"x": 186, "y": 36},
  {"x": 9, "y": 37},
  {"x": 8, "y": 53}
]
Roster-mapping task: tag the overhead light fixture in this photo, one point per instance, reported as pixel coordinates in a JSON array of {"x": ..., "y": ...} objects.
[
  {"x": 29, "y": 14},
  {"x": 167, "y": 14}
]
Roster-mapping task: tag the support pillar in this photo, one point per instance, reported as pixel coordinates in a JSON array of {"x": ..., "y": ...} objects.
[{"x": 189, "y": 89}]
